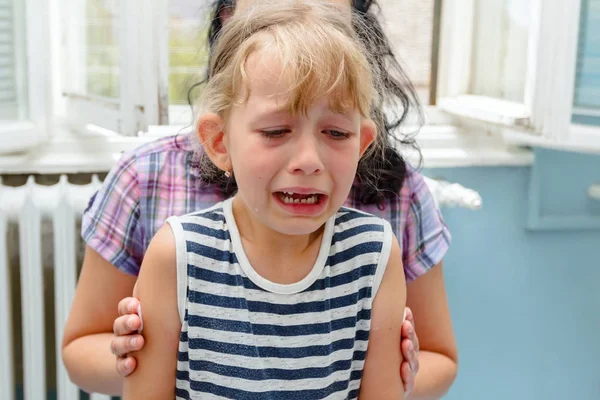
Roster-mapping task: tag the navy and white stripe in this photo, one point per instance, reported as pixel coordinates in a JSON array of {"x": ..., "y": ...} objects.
[{"x": 244, "y": 337}]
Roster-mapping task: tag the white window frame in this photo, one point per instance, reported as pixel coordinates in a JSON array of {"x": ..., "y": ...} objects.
[
  {"x": 456, "y": 59},
  {"x": 145, "y": 106},
  {"x": 551, "y": 84},
  {"x": 458, "y": 37},
  {"x": 33, "y": 81},
  {"x": 544, "y": 118},
  {"x": 180, "y": 115},
  {"x": 553, "y": 87},
  {"x": 143, "y": 97}
]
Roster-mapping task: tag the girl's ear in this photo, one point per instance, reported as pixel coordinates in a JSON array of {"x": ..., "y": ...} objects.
[
  {"x": 212, "y": 137},
  {"x": 368, "y": 133}
]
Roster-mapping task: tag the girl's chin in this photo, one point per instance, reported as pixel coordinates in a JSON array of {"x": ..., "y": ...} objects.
[{"x": 297, "y": 228}]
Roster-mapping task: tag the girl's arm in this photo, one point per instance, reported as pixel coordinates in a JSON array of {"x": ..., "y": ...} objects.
[
  {"x": 438, "y": 356},
  {"x": 155, "y": 376},
  {"x": 380, "y": 380},
  {"x": 89, "y": 328}
]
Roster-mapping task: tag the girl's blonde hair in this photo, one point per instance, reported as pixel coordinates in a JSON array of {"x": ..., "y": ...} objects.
[{"x": 317, "y": 49}]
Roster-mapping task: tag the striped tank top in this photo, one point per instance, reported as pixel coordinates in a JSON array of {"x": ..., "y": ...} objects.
[{"x": 245, "y": 337}]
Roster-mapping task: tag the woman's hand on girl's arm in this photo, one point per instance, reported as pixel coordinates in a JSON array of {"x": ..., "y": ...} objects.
[
  {"x": 126, "y": 337},
  {"x": 409, "y": 346},
  {"x": 156, "y": 289},
  {"x": 380, "y": 379}
]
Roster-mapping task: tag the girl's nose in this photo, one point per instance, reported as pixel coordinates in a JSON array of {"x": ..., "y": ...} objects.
[{"x": 306, "y": 156}]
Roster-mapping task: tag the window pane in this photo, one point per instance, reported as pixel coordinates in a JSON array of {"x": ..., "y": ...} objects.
[
  {"x": 587, "y": 83},
  {"x": 101, "y": 48},
  {"x": 187, "y": 47},
  {"x": 409, "y": 26},
  {"x": 500, "y": 45},
  {"x": 12, "y": 61}
]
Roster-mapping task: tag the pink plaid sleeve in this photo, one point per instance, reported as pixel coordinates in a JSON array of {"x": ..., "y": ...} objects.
[
  {"x": 426, "y": 238},
  {"x": 111, "y": 224}
]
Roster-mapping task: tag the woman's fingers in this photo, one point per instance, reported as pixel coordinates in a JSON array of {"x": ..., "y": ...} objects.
[
  {"x": 126, "y": 324},
  {"x": 125, "y": 341},
  {"x": 126, "y": 365},
  {"x": 123, "y": 345},
  {"x": 408, "y": 330},
  {"x": 410, "y": 355},
  {"x": 129, "y": 305},
  {"x": 408, "y": 378},
  {"x": 409, "y": 346}
]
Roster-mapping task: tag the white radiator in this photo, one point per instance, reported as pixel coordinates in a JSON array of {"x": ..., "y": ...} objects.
[{"x": 29, "y": 206}]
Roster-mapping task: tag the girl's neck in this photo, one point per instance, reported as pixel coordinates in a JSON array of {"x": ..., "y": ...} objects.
[{"x": 275, "y": 256}]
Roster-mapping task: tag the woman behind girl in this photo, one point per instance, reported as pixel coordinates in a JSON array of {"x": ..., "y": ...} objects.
[
  {"x": 161, "y": 179},
  {"x": 278, "y": 292}
]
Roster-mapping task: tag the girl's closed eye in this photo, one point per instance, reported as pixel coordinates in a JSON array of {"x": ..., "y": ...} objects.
[
  {"x": 274, "y": 133},
  {"x": 337, "y": 134}
]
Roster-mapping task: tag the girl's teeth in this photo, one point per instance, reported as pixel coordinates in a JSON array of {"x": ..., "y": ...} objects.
[{"x": 290, "y": 200}]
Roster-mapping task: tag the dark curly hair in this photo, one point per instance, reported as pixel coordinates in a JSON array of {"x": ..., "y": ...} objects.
[{"x": 387, "y": 169}]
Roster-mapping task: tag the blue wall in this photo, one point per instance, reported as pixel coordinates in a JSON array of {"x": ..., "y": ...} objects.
[{"x": 525, "y": 304}]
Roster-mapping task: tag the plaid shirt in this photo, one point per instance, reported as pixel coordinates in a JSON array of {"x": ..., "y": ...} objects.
[{"x": 161, "y": 179}]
